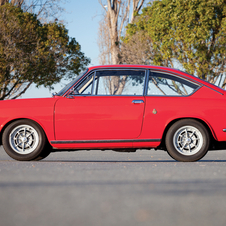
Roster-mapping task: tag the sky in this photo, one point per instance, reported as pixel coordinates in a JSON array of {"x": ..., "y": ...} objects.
[{"x": 82, "y": 21}]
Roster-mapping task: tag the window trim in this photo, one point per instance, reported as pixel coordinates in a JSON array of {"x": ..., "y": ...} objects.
[
  {"x": 90, "y": 83},
  {"x": 146, "y": 71},
  {"x": 174, "y": 75}
]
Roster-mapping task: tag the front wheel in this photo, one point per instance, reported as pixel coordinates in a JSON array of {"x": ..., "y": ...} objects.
[
  {"x": 187, "y": 140},
  {"x": 24, "y": 140}
]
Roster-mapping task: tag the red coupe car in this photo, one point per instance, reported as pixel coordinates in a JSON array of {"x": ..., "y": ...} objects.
[{"x": 119, "y": 107}]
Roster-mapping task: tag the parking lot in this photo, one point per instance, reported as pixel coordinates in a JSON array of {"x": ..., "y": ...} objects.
[{"x": 111, "y": 188}]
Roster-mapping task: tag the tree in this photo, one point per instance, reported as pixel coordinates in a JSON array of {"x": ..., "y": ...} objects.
[
  {"x": 17, "y": 3},
  {"x": 137, "y": 49},
  {"x": 104, "y": 42},
  {"x": 116, "y": 17},
  {"x": 44, "y": 9},
  {"x": 32, "y": 52},
  {"x": 187, "y": 33}
]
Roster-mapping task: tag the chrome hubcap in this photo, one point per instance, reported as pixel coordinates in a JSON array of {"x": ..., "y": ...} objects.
[
  {"x": 188, "y": 140},
  {"x": 24, "y": 139}
]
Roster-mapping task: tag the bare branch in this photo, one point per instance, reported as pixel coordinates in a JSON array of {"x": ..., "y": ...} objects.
[
  {"x": 104, "y": 7},
  {"x": 136, "y": 8},
  {"x": 126, "y": 14}
]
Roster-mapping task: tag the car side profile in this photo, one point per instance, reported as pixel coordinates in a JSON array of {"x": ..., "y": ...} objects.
[{"x": 122, "y": 108}]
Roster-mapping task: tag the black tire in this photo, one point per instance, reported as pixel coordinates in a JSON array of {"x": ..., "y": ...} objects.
[
  {"x": 46, "y": 152},
  {"x": 24, "y": 140},
  {"x": 187, "y": 140}
]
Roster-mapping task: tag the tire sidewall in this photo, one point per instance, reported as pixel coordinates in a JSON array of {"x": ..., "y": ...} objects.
[
  {"x": 177, "y": 155},
  {"x": 23, "y": 157}
]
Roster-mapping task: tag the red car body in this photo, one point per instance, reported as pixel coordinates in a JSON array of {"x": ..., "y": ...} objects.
[{"x": 119, "y": 121}]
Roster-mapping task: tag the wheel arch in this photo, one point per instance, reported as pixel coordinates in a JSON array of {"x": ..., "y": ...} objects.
[
  {"x": 17, "y": 119},
  {"x": 209, "y": 129}
]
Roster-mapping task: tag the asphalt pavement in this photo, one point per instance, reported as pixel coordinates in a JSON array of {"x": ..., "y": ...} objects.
[{"x": 95, "y": 188}]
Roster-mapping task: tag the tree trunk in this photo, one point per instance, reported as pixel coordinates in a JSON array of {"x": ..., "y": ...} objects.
[{"x": 117, "y": 13}]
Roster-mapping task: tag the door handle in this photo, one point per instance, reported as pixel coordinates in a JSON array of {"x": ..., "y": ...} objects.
[{"x": 137, "y": 101}]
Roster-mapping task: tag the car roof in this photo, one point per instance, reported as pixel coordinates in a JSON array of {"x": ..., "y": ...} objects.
[{"x": 163, "y": 69}]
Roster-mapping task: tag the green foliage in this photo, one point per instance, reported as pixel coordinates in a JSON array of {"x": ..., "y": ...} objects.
[
  {"x": 190, "y": 32},
  {"x": 32, "y": 52}
]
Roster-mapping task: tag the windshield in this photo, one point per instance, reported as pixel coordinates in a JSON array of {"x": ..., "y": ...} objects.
[{"x": 70, "y": 84}]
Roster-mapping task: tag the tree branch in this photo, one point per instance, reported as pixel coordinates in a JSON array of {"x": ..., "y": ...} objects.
[
  {"x": 23, "y": 91},
  {"x": 102, "y": 5}
]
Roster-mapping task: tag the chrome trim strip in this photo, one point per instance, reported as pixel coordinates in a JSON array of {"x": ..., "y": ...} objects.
[
  {"x": 101, "y": 141},
  {"x": 213, "y": 89},
  {"x": 93, "y": 85},
  {"x": 146, "y": 82}
]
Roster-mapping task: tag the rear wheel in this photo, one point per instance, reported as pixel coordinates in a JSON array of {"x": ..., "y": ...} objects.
[
  {"x": 25, "y": 140},
  {"x": 187, "y": 140}
]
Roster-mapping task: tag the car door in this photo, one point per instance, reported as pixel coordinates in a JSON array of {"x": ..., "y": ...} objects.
[{"x": 109, "y": 104}]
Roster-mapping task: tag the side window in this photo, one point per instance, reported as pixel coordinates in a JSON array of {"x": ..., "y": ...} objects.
[
  {"x": 161, "y": 84},
  {"x": 119, "y": 82}
]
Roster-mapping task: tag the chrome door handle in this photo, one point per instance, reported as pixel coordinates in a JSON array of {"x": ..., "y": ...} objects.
[{"x": 137, "y": 101}]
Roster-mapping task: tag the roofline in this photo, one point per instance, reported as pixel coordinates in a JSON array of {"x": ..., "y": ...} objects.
[
  {"x": 130, "y": 66},
  {"x": 168, "y": 69}
]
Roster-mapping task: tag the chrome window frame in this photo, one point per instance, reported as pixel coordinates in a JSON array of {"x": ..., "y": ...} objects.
[
  {"x": 174, "y": 75},
  {"x": 145, "y": 70}
]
